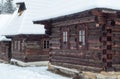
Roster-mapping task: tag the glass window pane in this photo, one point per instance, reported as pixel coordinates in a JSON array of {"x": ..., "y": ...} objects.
[
  {"x": 82, "y": 37},
  {"x": 66, "y": 37}
]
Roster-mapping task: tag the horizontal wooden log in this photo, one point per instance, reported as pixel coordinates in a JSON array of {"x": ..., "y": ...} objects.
[
  {"x": 94, "y": 38},
  {"x": 75, "y": 21},
  {"x": 117, "y": 26},
  {"x": 36, "y": 52},
  {"x": 37, "y": 58},
  {"x": 91, "y": 55},
  {"x": 78, "y": 62},
  {"x": 78, "y": 67},
  {"x": 95, "y": 44},
  {"x": 117, "y": 33},
  {"x": 116, "y": 48},
  {"x": 116, "y": 30},
  {"x": 101, "y": 20},
  {"x": 56, "y": 34},
  {"x": 94, "y": 41},
  {"x": 94, "y": 33},
  {"x": 55, "y": 47},
  {"x": 69, "y": 54}
]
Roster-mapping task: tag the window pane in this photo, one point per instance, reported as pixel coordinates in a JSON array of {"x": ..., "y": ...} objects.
[
  {"x": 83, "y": 41},
  {"x": 80, "y": 36},
  {"x": 66, "y": 37},
  {"x": 18, "y": 45},
  {"x": 15, "y": 44},
  {"x": 23, "y": 45},
  {"x": 44, "y": 44},
  {"x": 47, "y": 44},
  {"x": 83, "y": 37},
  {"x": 83, "y": 32},
  {"x": 63, "y": 36}
]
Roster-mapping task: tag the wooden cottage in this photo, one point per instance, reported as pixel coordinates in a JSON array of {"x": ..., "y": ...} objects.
[
  {"x": 30, "y": 48},
  {"x": 86, "y": 40},
  {"x": 5, "y": 49},
  {"x": 30, "y": 44}
]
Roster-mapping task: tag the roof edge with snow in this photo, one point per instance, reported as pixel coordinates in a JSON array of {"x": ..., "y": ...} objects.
[{"x": 56, "y": 17}]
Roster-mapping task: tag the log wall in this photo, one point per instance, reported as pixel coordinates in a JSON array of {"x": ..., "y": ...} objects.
[
  {"x": 30, "y": 48},
  {"x": 101, "y": 48},
  {"x": 5, "y": 52}
]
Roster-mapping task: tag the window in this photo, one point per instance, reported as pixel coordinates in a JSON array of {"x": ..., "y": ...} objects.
[
  {"x": 22, "y": 44},
  {"x": 82, "y": 37},
  {"x": 17, "y": 45},
  {"x": 46, "y": 44},
  {"x": 65, "y": 39}
]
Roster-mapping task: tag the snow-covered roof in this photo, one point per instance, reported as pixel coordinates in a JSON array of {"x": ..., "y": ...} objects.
[
  {"x": 3, "y": 38},
  {"x": 45, "y": 9},
  {"x": 65, "y": 7},
  {"x": 23, "y": 24},
  {"x": 4, "y": 18}
]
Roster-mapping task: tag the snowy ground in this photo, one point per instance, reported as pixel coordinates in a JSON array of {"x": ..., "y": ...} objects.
[{"x": 13, "y": 72}]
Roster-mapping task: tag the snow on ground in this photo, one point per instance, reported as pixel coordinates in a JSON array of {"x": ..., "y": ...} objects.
[{"x": 14, "y": 72}]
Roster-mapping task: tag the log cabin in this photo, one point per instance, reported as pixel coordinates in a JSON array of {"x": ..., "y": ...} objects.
[
  {"x": 88, "y": 40},
  {"x": 5, "y": 49},
  {"x": 30, "y": 48},
  {"x": 29, "y": 44}
]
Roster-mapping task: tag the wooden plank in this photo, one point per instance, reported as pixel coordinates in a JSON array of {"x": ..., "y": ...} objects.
[{"x": 75, "y": 21}]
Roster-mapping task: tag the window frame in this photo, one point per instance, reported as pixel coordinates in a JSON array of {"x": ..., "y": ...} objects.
[
  {"x": 83, "y": 45},
  {"x": 65, "y": 36},
  {"x": 17, "y": 45},
  {"x": 46, "y": 44},
  {"x": 82, "y": 37}
]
